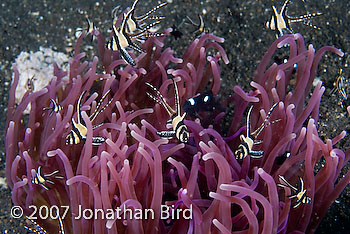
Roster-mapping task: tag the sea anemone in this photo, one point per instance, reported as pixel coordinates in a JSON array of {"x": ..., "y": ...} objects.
[
  {"x": 35, "y": 67},
  {"x": 134, "y": 169}
]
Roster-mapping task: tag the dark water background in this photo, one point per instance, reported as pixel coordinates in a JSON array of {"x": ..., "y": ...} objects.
[{"x": 25, "y": 25}]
